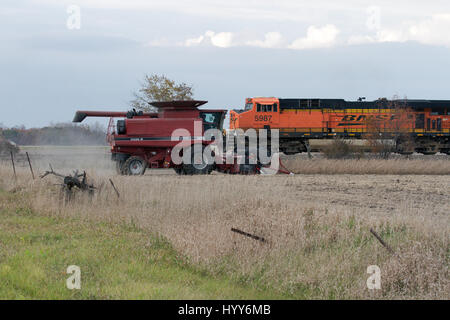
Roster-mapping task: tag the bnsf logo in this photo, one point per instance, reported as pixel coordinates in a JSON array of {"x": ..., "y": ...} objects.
[{"x": 354, "y": 119}]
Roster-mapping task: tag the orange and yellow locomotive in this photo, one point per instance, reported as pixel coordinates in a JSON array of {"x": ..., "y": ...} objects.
[{"x": 424, "y": 122}]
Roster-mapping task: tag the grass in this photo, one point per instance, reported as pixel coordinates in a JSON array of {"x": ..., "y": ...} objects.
[
  {"x": 401, "y": 165},
  {"x": 317, "y": 226},
  {"x": 116, "y": 261}
]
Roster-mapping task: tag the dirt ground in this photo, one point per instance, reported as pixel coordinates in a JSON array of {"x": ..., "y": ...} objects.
[{"x": 380, "y": 193}]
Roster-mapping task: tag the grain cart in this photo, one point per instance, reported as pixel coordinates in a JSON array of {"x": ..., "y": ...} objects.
[{"x": 145, "y": 139}]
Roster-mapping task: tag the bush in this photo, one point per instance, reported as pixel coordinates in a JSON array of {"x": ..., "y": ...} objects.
[
  {"x": 338, "y": 149},
  {"x": 382, "y": 148},
  {"x": 6, "y": 147}
]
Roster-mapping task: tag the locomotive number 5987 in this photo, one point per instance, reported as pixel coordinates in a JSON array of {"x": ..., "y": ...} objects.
[{"x": 263, "y": 117}]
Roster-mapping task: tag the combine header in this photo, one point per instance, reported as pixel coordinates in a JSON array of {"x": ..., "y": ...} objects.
[{"x": 146, "y": 140}]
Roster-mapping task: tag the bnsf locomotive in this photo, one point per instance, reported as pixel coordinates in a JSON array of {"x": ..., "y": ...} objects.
[{"x": 416, "y": 125}]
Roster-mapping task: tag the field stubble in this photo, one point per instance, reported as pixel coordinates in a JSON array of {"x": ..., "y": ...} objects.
[{"x": 317, "y": 226}]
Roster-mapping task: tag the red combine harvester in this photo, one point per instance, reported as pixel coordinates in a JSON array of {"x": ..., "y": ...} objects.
[{"x": 144, "y": 140}]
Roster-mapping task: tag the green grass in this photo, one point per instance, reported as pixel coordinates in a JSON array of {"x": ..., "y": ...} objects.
[{"x": 116, "y": 261}]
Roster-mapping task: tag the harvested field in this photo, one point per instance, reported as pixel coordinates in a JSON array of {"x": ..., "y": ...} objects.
[
  {"x": 316, "y": 226},
  {"x": 397, "y": 165}
]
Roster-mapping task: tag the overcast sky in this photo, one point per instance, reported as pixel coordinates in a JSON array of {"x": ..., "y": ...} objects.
[{"x": 58, "y": 56}]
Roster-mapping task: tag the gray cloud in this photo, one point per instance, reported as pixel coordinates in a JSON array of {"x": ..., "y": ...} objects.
[
  {"x": 48, "y": 72},
  {"x": 74, "y": 41}
]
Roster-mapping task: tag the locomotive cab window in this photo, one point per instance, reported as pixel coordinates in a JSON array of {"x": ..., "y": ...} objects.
[
  {"x": 266, "y": 107},
  {"x": 248, "y": 106},
  {"x": 212, "y": 120}
]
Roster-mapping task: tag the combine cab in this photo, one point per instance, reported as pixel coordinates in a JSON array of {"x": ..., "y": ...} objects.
[{"x": 145, "y": 140}]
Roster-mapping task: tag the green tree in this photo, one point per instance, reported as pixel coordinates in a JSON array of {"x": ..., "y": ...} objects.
[{"x": 159, "y": 88}]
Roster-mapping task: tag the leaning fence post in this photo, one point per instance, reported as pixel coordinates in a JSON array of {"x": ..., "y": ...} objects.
[
  {"x": 384, "y": 244},
  {"x": 31, "y": 168},
  {"x": 114, "y": 187},
  {"x": 248, "y": 235},
  {"x": 14, "y": 167}
]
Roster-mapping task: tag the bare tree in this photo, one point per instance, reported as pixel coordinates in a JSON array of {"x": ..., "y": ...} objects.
[
  {"x": 160, "y": 88},
  {"x": 392, "y": 133}
]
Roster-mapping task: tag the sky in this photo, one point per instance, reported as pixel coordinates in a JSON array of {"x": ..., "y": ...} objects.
[{"x": 60, "y": 56}]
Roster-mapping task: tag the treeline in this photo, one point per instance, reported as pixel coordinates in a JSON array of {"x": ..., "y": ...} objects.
[{"x": 64, "y": 134}]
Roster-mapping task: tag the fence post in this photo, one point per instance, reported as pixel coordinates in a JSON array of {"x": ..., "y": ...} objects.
[
  {"x": 14, "y": 167},
  {"x": 31, "y": 168},
  {"x": 114, "y": 187}
]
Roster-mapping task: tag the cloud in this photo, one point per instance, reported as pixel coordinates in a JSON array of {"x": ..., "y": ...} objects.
[
  {"x": 354, "y": 40},
  {"x": 308, "y": 12},
  {"x": 221, "y": 39},
  {"x": 384, "y": 35},
  {"x": 316, "y": 37},
  {"x": 432, "y": 31},
  {"x": 194, "y": 41},
  {"x": 271, "y": 40}
]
